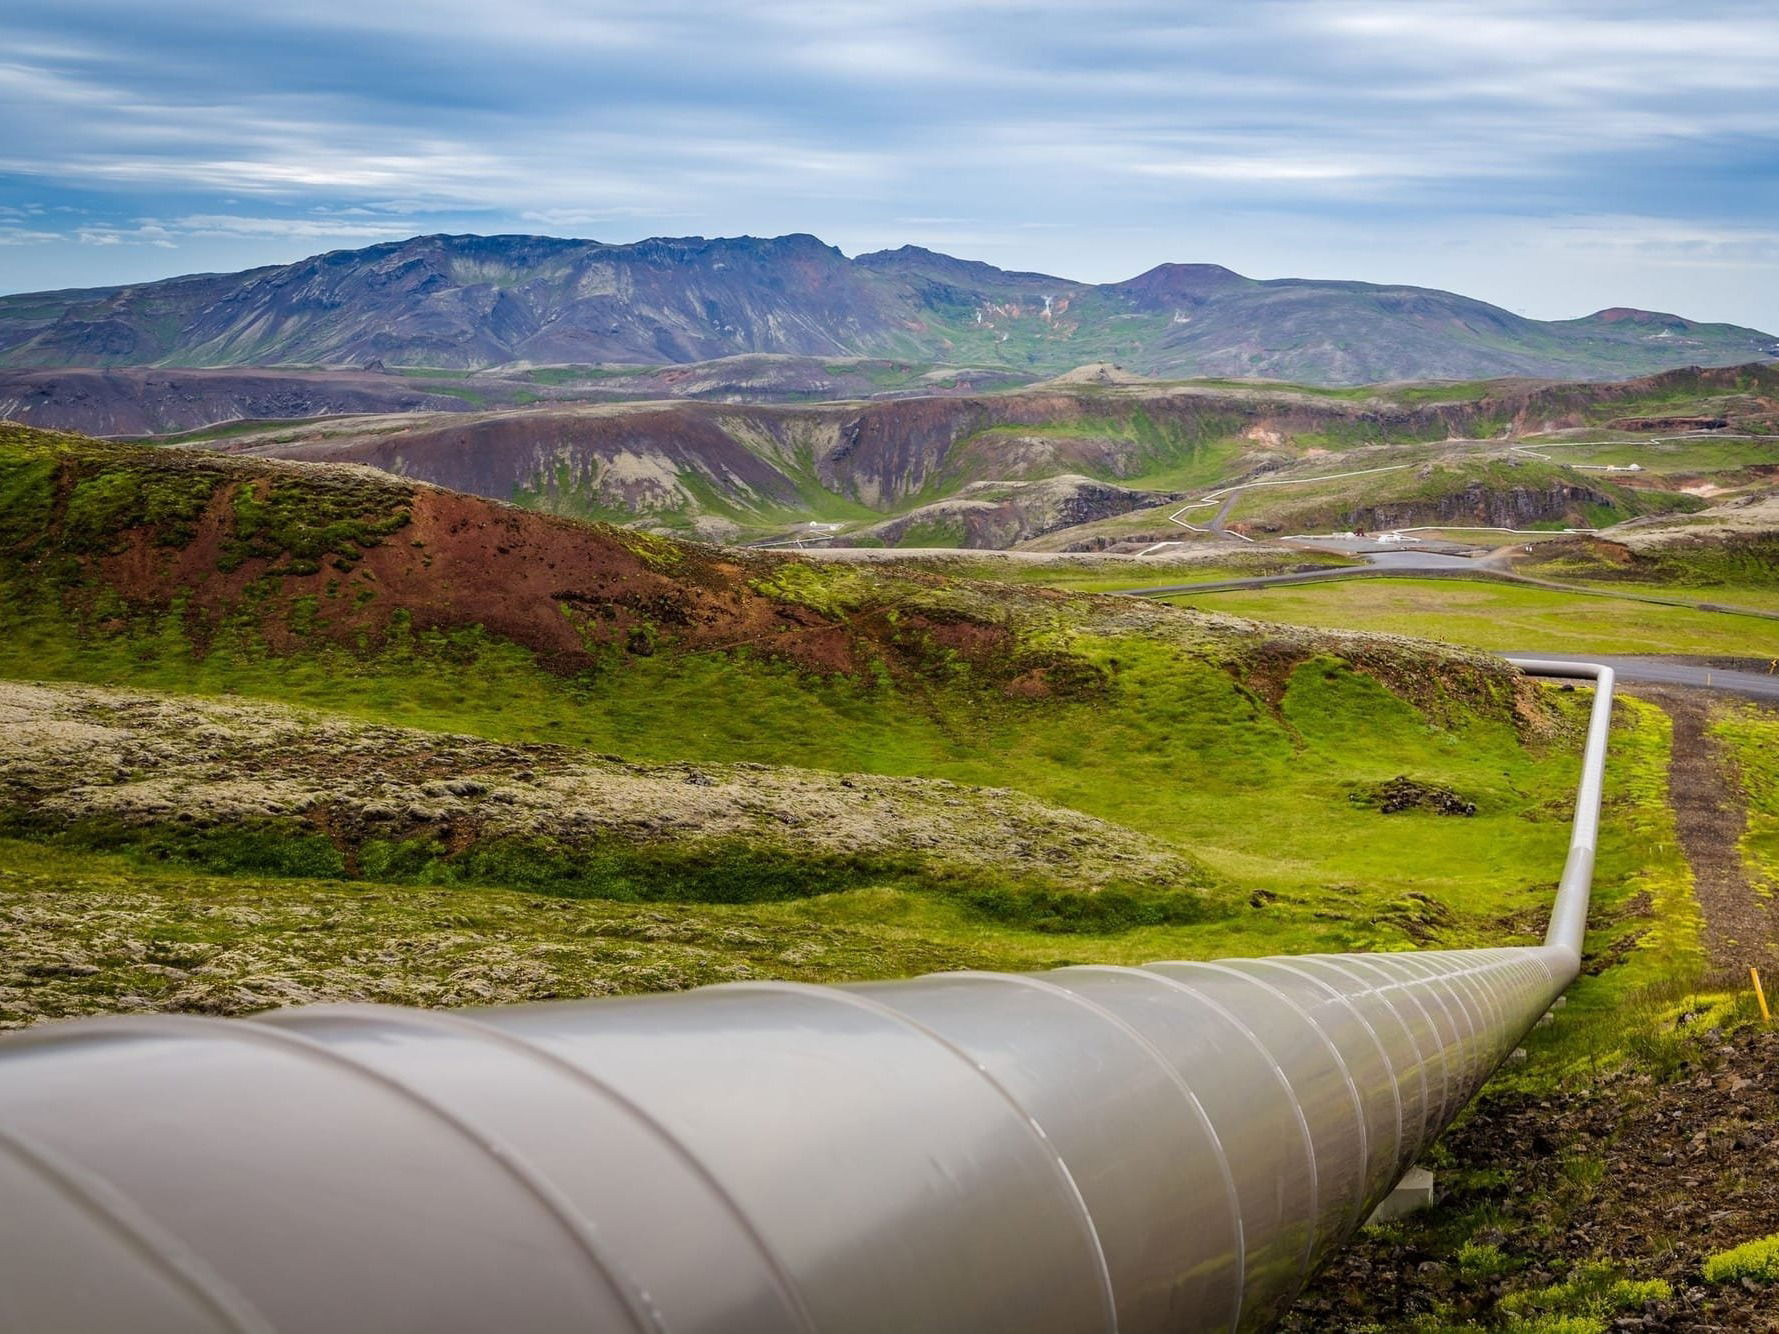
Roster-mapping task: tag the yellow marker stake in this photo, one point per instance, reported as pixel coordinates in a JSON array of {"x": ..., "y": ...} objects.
[{"x": 1760, "y": 995}]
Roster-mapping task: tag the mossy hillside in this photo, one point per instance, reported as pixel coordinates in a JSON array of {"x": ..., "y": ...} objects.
[
  {"x": 1732, "y": 567},
  {"x": 291, "y": 538},
  {"x": 1247, "y": 777},
  {"x": 79, "y": 495},
  {"x": 64, "y": 497},
  {"x": 243, "y": 788},
  {"x": 1153, "y": 449},
  {"x": 91, "y": 933},
  {"x": 709, "y": 871},
  {"x": 1730, "y": 392},
  {"x": 1236, "y": 745},
  {"x": 84, "y": 933}
]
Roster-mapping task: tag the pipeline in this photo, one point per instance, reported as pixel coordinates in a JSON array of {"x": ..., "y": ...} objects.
[{"x": 1173, "y": 1147}]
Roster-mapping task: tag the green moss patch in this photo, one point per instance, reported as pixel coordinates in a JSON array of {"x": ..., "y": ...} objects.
[{"x": 1755, "y": 1261}]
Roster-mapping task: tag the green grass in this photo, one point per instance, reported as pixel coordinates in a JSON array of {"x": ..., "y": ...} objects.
[
  {"x": 1753, "y": 740},
  {"x": 1338, "y": 503},
  {"x": 1664, "y": 457},
  {"x": 1756, "y": 597},
  {"x": 942, "y": 531},
  {"x": 130, "y": 937},
  {"x": 1172, "y": 747},
  {"x": 134, "y": 936},
  {"x": 1756, "y": 1261},
  {"x": 1737, "y": 568},
  {"x": 1586, "y": 1300},
  {"x": 1108, "y": 574},
  {"x": 707, "y": 870},
  {"x": 1499, "y": 616}
]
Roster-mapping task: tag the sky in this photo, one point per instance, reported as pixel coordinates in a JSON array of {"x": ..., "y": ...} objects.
[{"x": 1554, "y": 157}]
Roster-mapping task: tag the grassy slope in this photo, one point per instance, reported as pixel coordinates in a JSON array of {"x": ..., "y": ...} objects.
[
  {"x": 1239, "y": 744},
  {"x": 134, "y": 933},
  {"x": 1734, "y": 568},
  {"x": 1173, "y": 751}
]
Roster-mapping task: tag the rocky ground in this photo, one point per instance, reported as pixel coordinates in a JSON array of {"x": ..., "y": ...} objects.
[
  {"x": 129, "y": 762},
  {"x": 87, "y": 935},
  {"x": 1599, "y": 1205},
  {"x": 1747, "y": 515}
]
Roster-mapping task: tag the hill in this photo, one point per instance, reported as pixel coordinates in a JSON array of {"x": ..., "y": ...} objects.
[
  {"x": 736, "y": 471},
  {"x": 1214, "y": 752},
  {"x": 464, "y": 302}
]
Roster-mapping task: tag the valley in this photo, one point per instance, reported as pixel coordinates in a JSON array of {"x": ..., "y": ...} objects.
[
  {"x": 1073, "y": 464},
  {"x": 282, "y": 730},
  {"x": 245, "y": 579}
]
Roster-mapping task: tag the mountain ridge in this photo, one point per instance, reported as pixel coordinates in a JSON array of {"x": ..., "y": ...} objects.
[{"x": 465, "y": 302}]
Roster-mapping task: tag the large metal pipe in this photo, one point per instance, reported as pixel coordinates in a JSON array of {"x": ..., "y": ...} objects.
[{"x": 1173, "y": 1147}]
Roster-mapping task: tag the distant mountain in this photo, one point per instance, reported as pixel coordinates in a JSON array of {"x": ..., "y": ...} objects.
[{"x": 465, "y": 302}]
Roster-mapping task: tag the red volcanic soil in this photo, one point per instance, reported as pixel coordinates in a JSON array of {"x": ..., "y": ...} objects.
[
  {"x": 1631, "y": 315},
  {"x": 565, "y": 590},
  {"x": 396, "y": 554}
]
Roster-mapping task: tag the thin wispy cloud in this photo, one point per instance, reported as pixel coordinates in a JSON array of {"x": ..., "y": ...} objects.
[{"x": 1555, "y": 156}]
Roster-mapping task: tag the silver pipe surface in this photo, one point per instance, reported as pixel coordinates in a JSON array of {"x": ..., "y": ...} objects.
[
  {"x": 1173, "y": 1147},
  {"x": 1568, "y": 918}
]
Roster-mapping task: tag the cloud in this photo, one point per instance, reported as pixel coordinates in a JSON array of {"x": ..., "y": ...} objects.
[
  {"x": 259, "y": 132},
  {"x": 153, "y": 231}
]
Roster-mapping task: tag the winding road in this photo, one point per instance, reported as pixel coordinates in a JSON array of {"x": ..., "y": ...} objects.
[{"x": 1751, "y": 680}]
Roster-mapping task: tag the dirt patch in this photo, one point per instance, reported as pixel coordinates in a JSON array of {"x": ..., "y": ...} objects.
[
  {"x": 1710, "y": 817},
  {"x": 1629, "y": 1176},
  {"x": 1403, "y": 793}
]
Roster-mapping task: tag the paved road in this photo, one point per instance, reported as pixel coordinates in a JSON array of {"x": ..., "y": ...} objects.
[
  {"x": 1699, "y": 673},
  {"x": 1420, "y": 560}
]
